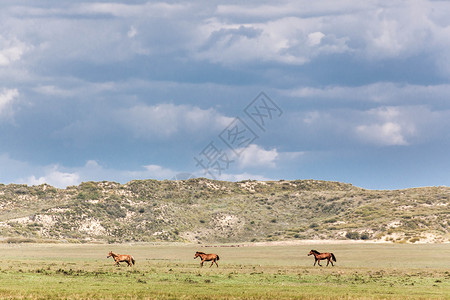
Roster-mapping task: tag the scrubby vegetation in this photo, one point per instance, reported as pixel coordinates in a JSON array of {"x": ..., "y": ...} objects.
[{"x": 203, "y": 210}]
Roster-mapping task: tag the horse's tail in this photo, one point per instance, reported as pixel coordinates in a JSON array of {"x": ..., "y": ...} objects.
[
  {"x": 217, "y": 257},
  {"x": 132, "y": 260},
  {"x": 332, "y": 256}
]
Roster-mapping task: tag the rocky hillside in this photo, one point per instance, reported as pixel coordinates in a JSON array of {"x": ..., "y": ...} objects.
[{"x": 203, "y": 210}]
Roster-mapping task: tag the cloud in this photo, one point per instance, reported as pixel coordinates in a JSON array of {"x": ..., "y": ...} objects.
[
  {"x": 405, "y": 125},
  {"x": 302, "y": 8},
  {"x": 52, "y": 90},
  {"x": 11, "y": 50},
  {"x": 53, "y": 176},
  {"x": 132, "y": 32},
  {"x": 131, "y": 10},
  {"x": 291, "y": 32},
  {"x": 388, "y": 126},
  {"x": 395, "y": 35},
  {"x": 165, "y": 120},
  {"x": 256, "y": 156},
  {"x": 386, "y": 134},
  {"x": 155, "y": 171},
  {"x": 315, "y": 38},
  {"x": 7, "y": 98},
  {"x": 378, "y": 93},
  {"x": 92, "y": 170},
  {"x": 289, "y": 40},
  {"x": 62, "y": 176}
]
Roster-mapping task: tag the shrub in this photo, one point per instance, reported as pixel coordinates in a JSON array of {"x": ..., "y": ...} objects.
[
  {"x": 414, "y": 239},
  {"x": 365, "y": 236},
  {"x": 333, "y": 220},
  {"x": 19, "y": 240},
  {"x": 353, "y": 235}
]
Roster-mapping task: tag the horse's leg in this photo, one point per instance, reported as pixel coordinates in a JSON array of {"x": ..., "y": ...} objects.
[
  {"x": 211, "y": 263},
  {"x": 216, "y": 263},
  {"x": 328, "y": 261},
  {"x": 315, "y": 261},
  {"x": 318, "y": 262},
  {"x": 201, "y": 264}
]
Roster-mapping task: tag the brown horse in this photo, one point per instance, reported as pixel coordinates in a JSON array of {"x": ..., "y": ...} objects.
[
  {"x": 319, "y": 256},
  {"x": 207, "y": 257},
  {"x": 118, "y": 258}
]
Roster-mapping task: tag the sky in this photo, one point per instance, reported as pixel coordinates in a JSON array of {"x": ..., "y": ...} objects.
[{"x": 350, "y": 91}]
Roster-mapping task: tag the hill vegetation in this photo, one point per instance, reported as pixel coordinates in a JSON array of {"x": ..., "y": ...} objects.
[{"x": 208, "y": 211}]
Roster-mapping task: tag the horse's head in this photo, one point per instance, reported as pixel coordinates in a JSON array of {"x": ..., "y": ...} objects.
[
  {"x": 313, "y": 252},
  {"x": 110, "y": 254},
  {"x": 197, "y": 254}
]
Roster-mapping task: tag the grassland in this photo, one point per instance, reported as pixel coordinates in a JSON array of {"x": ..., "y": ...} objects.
[{"x": 168, "y": 271}]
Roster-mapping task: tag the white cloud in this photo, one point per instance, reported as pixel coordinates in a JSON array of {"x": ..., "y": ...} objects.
[
  {"x": 383, "y": 93},
  {"x": 291, "y": 32},
  {"x": 386, "y": 134},
  {"x": 393, "y": 34},
  {"x": 315, "y": 38},
  {"x": 11, "y": 50},
  {"x": 165, "y": 120},
  {"x": 53, "y": 176},
  {"x": 159, "y": 172},
  {"x": 297, "y": 32},
  {"x": 131, "y": 10},
  {"x": 93, "y": 171},
  {"x": 7, "y": 97},
  {"x": 256, "y": 156},
  {"x": 289, "y": 40},
  {"x": 61, "y": 176},
  {"x": 302, "y": 8},
  {"x": 132, "y": 32},
  {"x": 381, "y": 126},
  {"x": 387, "y": 126}
]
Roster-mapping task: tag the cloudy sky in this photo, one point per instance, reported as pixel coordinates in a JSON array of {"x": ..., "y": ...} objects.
[{"x": 351, "y": 91}]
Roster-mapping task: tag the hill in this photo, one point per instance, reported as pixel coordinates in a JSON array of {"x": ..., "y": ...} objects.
[{"x": 205, "y": 211}]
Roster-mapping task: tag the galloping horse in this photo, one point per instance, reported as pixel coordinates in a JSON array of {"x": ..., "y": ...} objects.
[
  {"x": 319, "y": 256},
  {"x": 207, "y": 257},
  {"x": 118, "y": 258}
]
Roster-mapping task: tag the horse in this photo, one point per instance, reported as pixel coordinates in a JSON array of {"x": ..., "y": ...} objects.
[
  {"x": 319, "y": 256},
  {"x": 207, "y": 257},
  {"x": 118, "y": 258}
]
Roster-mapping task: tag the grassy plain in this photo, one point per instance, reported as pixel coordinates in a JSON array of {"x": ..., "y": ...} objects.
[{"x": 168, "y": 271}]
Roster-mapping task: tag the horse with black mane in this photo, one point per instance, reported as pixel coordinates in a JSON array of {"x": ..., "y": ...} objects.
[
  {"x": 118, "y": 258},
  {"x": 207, "y": 257},
  {"x": 319, "y": 256}
]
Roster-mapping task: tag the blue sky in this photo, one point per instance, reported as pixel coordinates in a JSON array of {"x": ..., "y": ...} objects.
[{"x": 354, "y": 91}]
